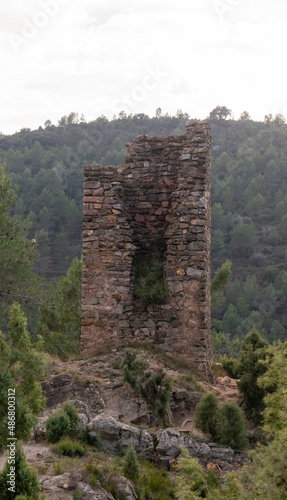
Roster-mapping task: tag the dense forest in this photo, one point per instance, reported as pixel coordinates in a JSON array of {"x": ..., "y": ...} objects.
[{"x": 249, "y": 203}]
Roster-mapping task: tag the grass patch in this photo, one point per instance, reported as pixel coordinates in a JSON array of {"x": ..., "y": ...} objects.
[
  {"x": 69, "y": 448},
  {"x": 42, "y": 469},
  {"x": 169, "y": 362},
  {"x": 154, "y": 483},
  {"x": 78, "y": 495},
  {"x": 64, "y": 464},
  {"x": 150, "y": 482},
  {"x": 187, "y": 381}
]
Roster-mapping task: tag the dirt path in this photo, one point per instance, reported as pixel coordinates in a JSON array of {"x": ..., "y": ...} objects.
[{"x": 36, "y": 454}]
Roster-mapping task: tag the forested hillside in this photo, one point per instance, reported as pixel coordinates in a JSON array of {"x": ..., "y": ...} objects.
[{"x": 249, "y": 202}]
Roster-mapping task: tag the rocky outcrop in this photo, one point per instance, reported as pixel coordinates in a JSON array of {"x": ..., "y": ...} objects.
[
  {"x": 182, "y": 399},
  {"x": 168, "y": 439},
  {"x": 113, "y": 434},
  {"x": 72, "y": 481},
  {"x": 126, "y": 488},
  {"x": 63, "y": 387},
  {"x": 95, "y": 398}
]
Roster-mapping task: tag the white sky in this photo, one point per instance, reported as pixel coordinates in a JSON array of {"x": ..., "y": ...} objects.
[{"x": 103, "y": 56}]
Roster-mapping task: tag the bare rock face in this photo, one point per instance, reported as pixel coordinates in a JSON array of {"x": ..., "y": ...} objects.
[
  {"x": 126, "y": 487},
  {"x": 97, "y": 493},
  {"x": 131, "y": 409},
  {"x": 112, "y": 433},
  {"x": 64, "y": 482},
  {"x": 169, "y": 439},
  {"x": 87, "y": 399},
  {"x": 106, "y": 428},
  {"x": 71, "y": 481},
  {"x": 94, "y": 399}
]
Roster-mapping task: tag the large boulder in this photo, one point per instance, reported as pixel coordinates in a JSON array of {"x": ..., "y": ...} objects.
[
  {"x": 126, "y": 488},
  {"x": 167, "y": 439},
  {"x": 112, "y": 434},
  {"x": 106, "y": 429},
  {"x": 64, "y": 482},
  {"x": 71, "y": 481}
]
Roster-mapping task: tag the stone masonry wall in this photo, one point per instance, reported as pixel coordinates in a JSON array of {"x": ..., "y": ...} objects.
[{"x": 158, "y": 199}]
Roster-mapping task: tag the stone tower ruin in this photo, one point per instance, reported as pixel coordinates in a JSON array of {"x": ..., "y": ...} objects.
[{"x": 157, "y": 201}]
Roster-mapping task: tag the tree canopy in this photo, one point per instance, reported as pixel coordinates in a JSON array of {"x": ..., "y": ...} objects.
[
  {"x": 22, "y": 364},
  {"x": 17, "y": 252}
]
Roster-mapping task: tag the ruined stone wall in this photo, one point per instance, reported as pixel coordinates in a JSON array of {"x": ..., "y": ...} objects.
[{"x": 158, "y": 199}]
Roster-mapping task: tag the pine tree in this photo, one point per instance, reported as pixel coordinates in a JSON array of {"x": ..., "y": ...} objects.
[
  {"x": 17, "y": 253},
  {"x": 60, "y": 323},
  {"x": 22, "y": 364}
]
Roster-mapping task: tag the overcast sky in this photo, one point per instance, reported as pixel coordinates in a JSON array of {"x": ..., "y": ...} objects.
[{"x": 105, "y": 56}]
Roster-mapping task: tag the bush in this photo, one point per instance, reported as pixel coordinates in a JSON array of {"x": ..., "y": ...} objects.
[
  {"x": 206, "y": 414},
  {"x": 270, "y": 274},
  {"x": 26, "y": 479},
  {"x": 71, "y": 411},
  {"x": 230, "y": 365},
  {"x": 131, "y": 466},
  {"x": 150, "y": 285},
  {"x": 193, "y": 482},
  {"x": 133, "y": 367},
  {"x": 78, "y": 495},
  {"x": 63, "y": 423},
  {"x": 154, "y": 483},
  {"x": 69, "y": 448},
  {"x": 154, "y": 387},
  {"x": 57, "y": 426},
  {"x": 156, "y": 390},
  {"x": 224, "y": 423},
  {"x": 250, "y": 368},
  {"x": 230, "y": 426}
]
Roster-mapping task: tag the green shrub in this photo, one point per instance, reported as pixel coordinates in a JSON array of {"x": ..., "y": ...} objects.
[
  {"x": 131, "y": 466},
  {"x": 156, "y": 390},
  {"x": 57, "y": 426},
  {"x": 71, "y": 411},
  {"x": 62, "y": 423},
  {"x": 133, "y": 367},
  {"x": 154, "y": 387},
  {"x": 206, "y": 414},
  {"x": 230, "y": 365},
  {"x": 154, "y": 483},
  {"x": 69, "y": 448},
  {"x": 224, "y": 423},
  {"x": 26, "y": 479},
  {"x": 230, "y": 426},
  {"x": 78, "y": 495},
  {"x": 254, "y": 350},
  {"x": 188, "y": 382},
  {"x": 150, "y": 285},
  {"x": 193, "y": 482}
]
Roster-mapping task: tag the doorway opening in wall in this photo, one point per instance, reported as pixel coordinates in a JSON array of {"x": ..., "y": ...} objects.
[{"x": 149, "y": 276}]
